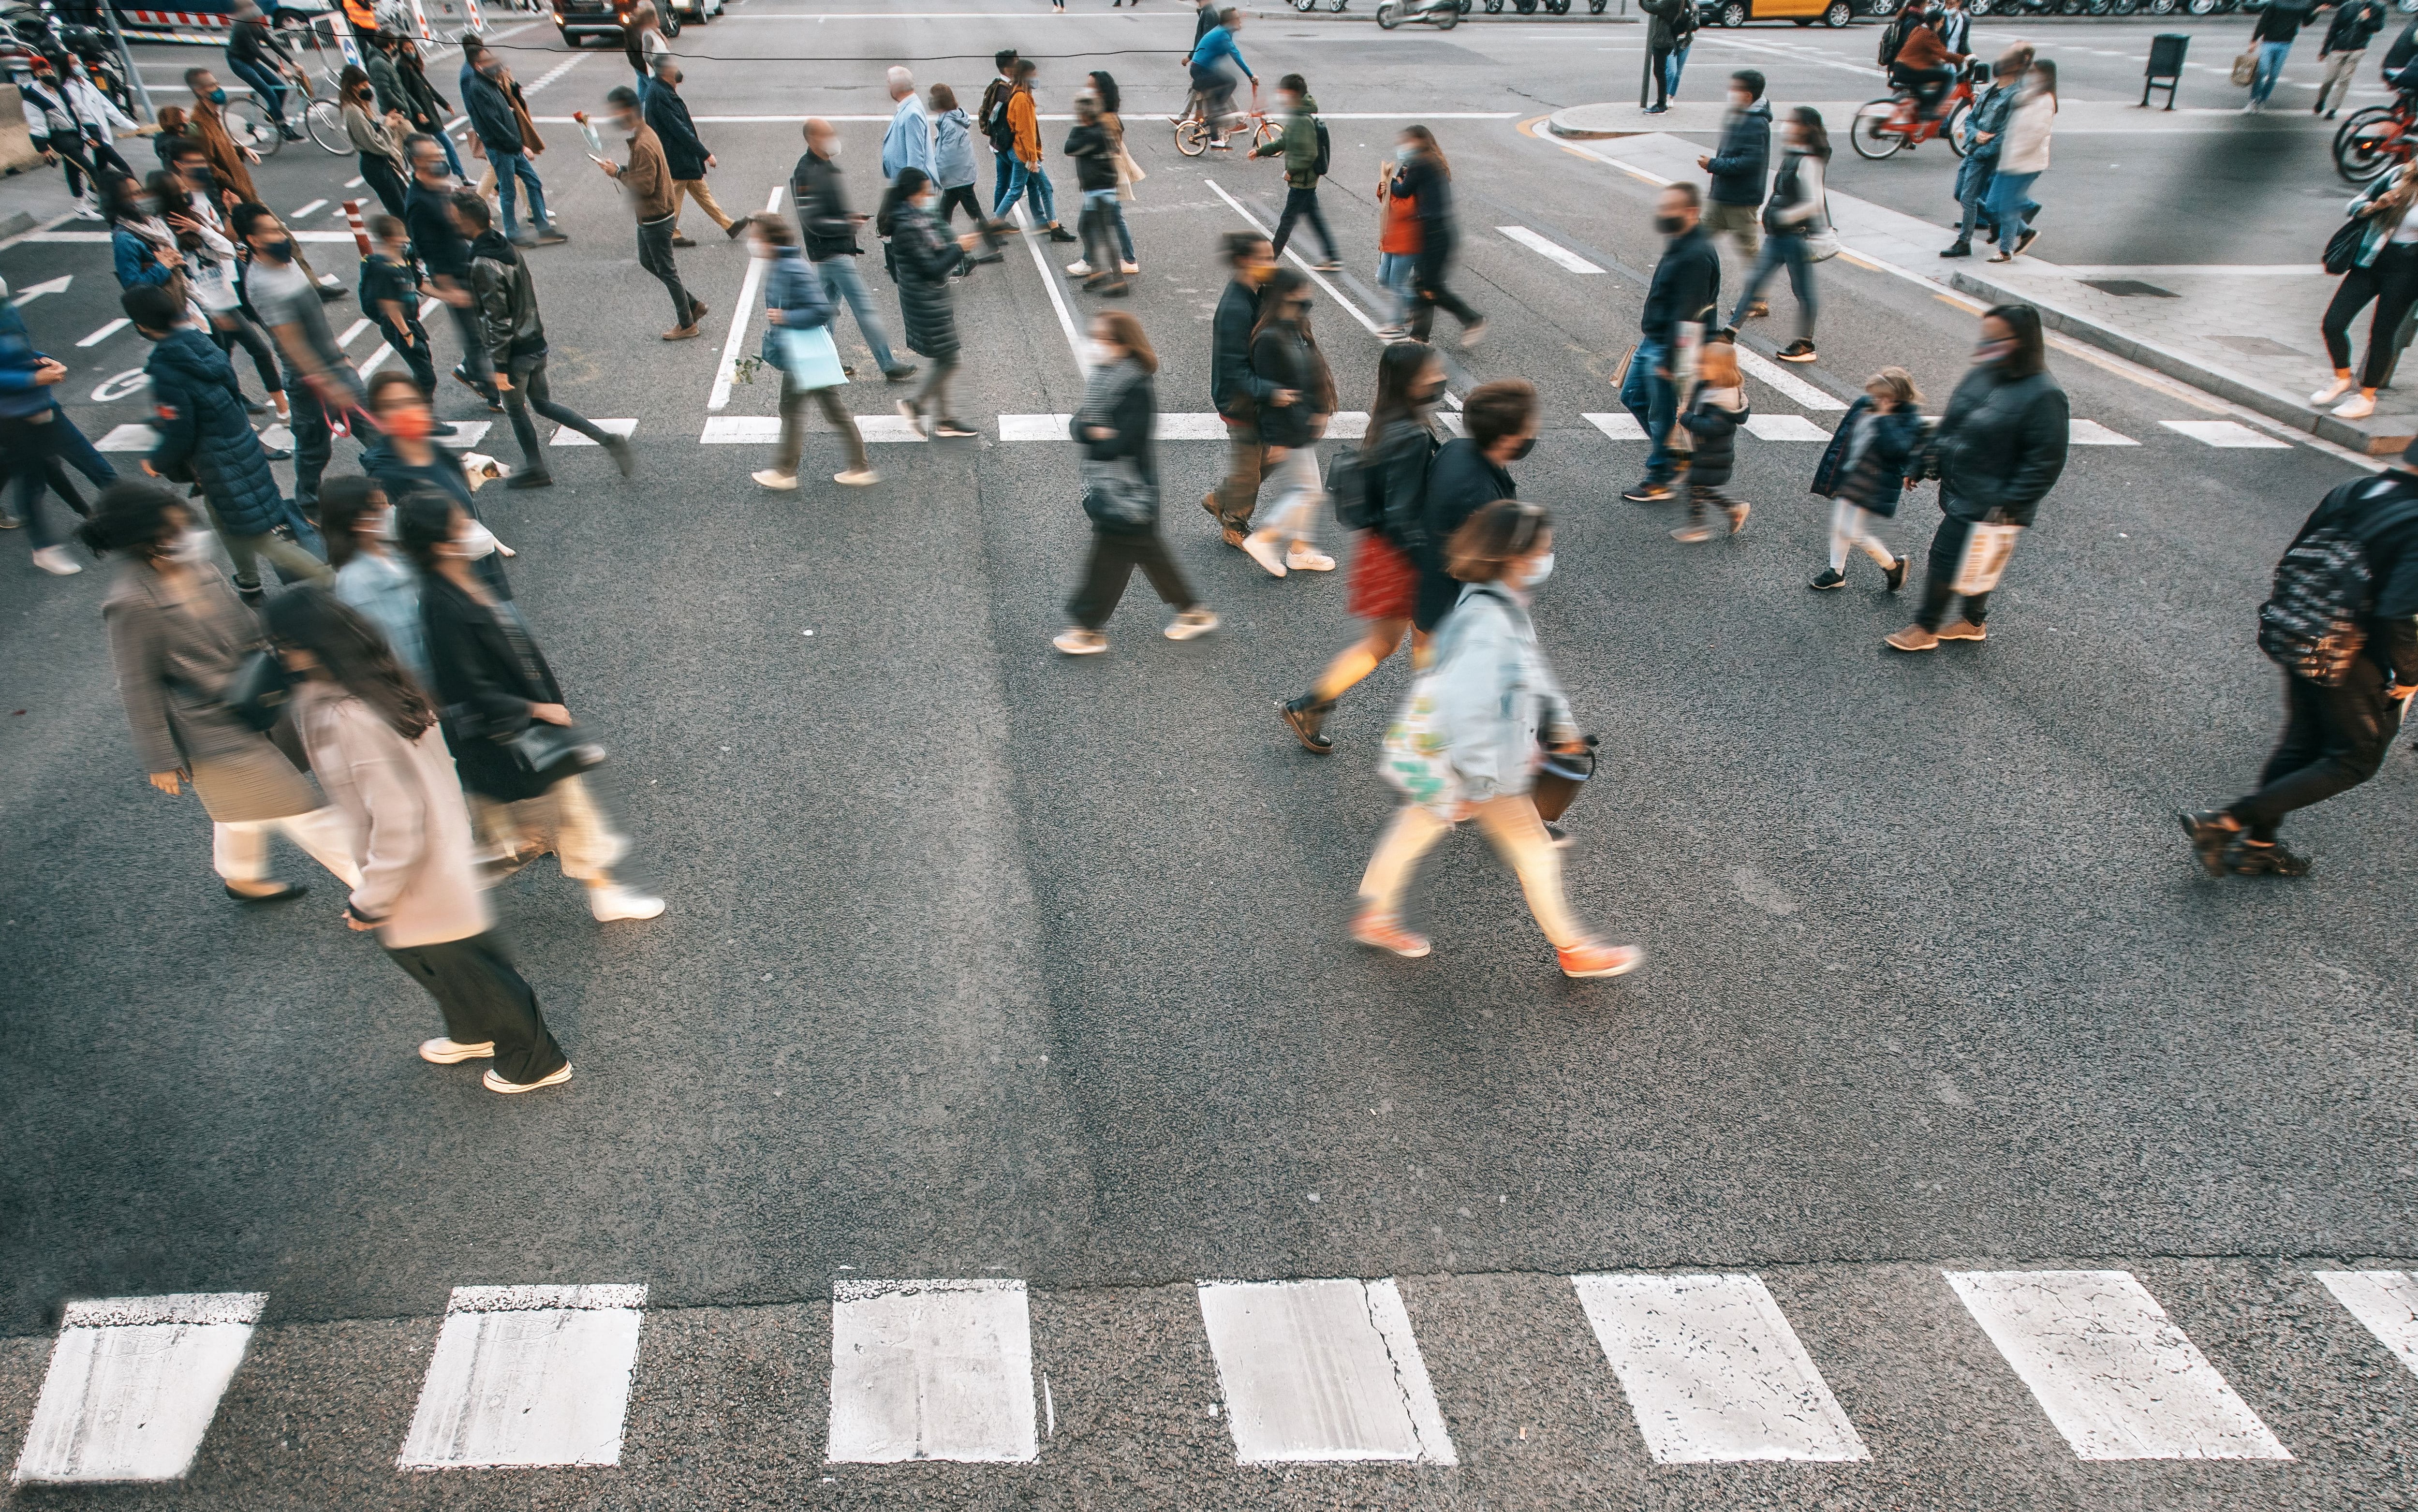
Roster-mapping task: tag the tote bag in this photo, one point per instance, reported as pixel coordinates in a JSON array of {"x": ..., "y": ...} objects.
[
  {"x": 807, "y": 357},
  {"x": 1986, "y": 550}
]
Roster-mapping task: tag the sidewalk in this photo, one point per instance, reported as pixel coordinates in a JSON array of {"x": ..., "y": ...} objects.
[{"x": 2245, "y": 334}]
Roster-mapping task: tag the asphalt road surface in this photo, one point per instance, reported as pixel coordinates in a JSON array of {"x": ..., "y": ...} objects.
[{"x": 989, "y": 966}]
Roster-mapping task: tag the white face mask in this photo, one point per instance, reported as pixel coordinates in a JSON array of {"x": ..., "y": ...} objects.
[
  {"x": 193, "y": 546},
  {"x": 1102, "y": 354},
  {"x": 831, "y": 153},
  {"x": 1536, "y": 574},
  {"x": 383, "y": 528}
]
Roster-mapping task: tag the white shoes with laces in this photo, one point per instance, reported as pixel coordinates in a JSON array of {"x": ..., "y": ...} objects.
[
  {"x": 2331, "y": 392},
  {"x": 613, "y": 901},
  {"x": 2358, "y": 407}
]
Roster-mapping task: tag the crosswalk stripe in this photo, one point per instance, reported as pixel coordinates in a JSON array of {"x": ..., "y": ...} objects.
[
  {"x": 2226, "y": 434},
  {"x": 352, "y": 332},
  {"x": 1620, "y": 427},
  {"x": 308, "y": 208},
  {"x": 1552, "y": 250},
  {"x": 105, "y": 332},
  {"x": 565, "y": 435},
  {"x": 133, "y": 1383},
  {"x": 1322, "y": 1371},
  {"x": 1196, "y": 425},
  {"x": 2117, "y": 1379},
  {"x": 931, "y": 1370},
  {"x": 1712, "y": 1370},
  {"x": 527, "y": 1375},
  {"x": 2386, "y": 1301},
  {"x": 467, "y": 434},
  {"x": 1759, "y": 366},
  {"x": 1785, "y": 428},
  {"x": 2091, "y": 433},
  {"x": 742, "y": 430}
]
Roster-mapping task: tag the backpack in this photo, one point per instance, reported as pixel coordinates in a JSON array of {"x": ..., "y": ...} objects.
[
  {"x": 997, "y": 127},
  {"x": 1357, "y": 505},
  {"x": 1326, "y": 150},
  {"x": 2313, "y": 624}
]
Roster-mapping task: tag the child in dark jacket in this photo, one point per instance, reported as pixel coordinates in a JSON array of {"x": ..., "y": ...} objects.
[
  {"x": 390, "y": 295},
  {"x": 1713, "y": 417},
  {"x": 1864, "y": 470}
]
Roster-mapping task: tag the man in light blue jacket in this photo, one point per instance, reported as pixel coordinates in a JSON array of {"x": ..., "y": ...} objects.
[{"x": 908, "y": 144}]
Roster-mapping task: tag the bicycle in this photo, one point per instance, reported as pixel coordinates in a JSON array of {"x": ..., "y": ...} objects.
[
  {"x": 1882, "y": 127},
  {"x": 324, "y": 117},
  {"x": 250, "y": 127},
  {"x": 1192, "y": 129},
  {"x": 2375, "y": 139}
]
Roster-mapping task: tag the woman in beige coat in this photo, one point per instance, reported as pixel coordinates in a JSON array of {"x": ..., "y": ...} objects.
[
  {"x": 179, "y": 636},
  {"x": 373, "y": 741}
]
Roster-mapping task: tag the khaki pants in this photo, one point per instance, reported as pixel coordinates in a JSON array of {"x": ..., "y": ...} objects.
[
  {"x": 1518, "y": 835},
  {"x": 1742, "y": 222},
  {"x": 239, "y": 851},
  {"x": 694, "y": 189},
  {"x": 563, "y": 820},
  {"x": 1238, "y": 492},
  {"x": 2342, "y": 70}
]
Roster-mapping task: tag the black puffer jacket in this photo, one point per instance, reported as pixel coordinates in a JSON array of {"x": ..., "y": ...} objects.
[
  {"x": 1285, "y": 360},
  {"x": 925, "y": 257},
  {"x": 2000, "y": 446},
  {"x": 823, "y": 210},
  {"x": 202, "y": 426},
  {"x": 1712, "y": 421}
]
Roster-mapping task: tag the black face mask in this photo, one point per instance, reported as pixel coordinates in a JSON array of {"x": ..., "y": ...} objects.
[
  {"x": 1521, "y": 450},
  {"x": 1670, "y": 225},
  {"x": 277, "y": 252},
  {"x": 1428, "y": 395}
]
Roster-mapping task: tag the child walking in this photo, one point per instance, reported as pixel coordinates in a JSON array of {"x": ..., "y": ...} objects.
[
  {"x": 1713, "y": 417},
  {"x": 1864, "y": 470}
]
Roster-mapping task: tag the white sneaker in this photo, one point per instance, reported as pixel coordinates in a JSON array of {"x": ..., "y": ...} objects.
[
  {"x": 613, "y": 901},
  {"x": 55, "y": 561},
  {"x": 444, "y": 1052},
  {"x": 775, "y": 477},
  {"x": 1129, "y": 267},
  {"x": 857, "y": 478},
  {"x": 1262, "y": 550},
  {"x": 1077, "y": 641},
  {"x": 1079, "y": 268},
  {"x": 497, "y": 1084},
  {"x": 1191, "y": 624},
  {"x": 85, "y": 211},
  {"x": 2358, "y": 407},
  {"x": 2332, "y": 391},
  {"x": 1305, "y": 557}
]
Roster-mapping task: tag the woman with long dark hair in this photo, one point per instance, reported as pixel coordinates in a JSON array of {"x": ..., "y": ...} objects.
[
  {"x": 373, "y": 138},
  {"x": 1104, "y": 89},
  {"x": 1795, "y": 210},
  {"x": 1285, "y": 354},
  {"x": 925, "y": 256},
  {"x": 1422, "y": 173},
  {"x": 373, "y": 741},
  {"x": 1402, "y": 439}
]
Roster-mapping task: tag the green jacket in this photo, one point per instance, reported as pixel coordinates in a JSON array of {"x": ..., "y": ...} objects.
[{"x": 1299, "y": 146}]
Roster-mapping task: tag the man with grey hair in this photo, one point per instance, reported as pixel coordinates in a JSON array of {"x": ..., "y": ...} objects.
[
  {"x": 643, "y": 45},
  {"x": 908, "y": 144}
]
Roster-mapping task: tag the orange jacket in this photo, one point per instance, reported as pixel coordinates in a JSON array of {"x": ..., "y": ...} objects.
[{"x": 1026, "y": 122}]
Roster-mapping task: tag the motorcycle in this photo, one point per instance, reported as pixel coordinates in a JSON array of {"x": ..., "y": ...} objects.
[{"x": 1444, "y": 15}]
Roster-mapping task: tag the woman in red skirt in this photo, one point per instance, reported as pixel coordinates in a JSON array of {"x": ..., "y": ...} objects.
[{"x": 1402, "y": 440}]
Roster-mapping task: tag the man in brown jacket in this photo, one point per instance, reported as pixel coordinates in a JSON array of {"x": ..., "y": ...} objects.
[
  {"x": 648, "y": 179},
  {"x": 227, "y": 172}
]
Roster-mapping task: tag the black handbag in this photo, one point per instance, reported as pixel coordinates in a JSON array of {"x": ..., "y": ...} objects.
[
  {"x": 549, "y": 753},
  {"x": 259, "y": 691},
  {"x": 1559, "y": 778},
  {"x": 2342, "y": 248}
]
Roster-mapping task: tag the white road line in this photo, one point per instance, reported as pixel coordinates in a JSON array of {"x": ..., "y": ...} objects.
[
  {"x": 527, "y": 1375},
  {"x": 565, "y": 435},
  {"x": 467, "y": 434},
  {"x": 353, "y": 331},
  {"x": 1195, "y": 425},
  {"x": 2226, "y": 434},
  {"x": 308, "y": 209},
  {"x": 550, "y": 75},
  {"x": 105, "y": 332},
  {"x": 128, "y": 439},
  {"x": 354, "y": 183},
  {"x": 1075, "y": 342},
  {"x": 1713, "y": 1371},
  {"x": 1319, "y": 1372},
  {"x": 741, "y": 313},
  {"x": 1553, "y": 251},
  {"x": 1620, "y": 427},
  {"x": 2386, "y": 1301},
  {"x": 1053, "y": 427},
  {"x": 2117, "y": 1378},
  {"x": 931, "y": 1370},
  {"x": 1785, "y": 428},
  {"x": 1298, "y": 260},
  {"x": 741, "y": 430},
  {"x": 132, "y": 1386},
  {"x": 2091, "y": 433},
  {"x": 1787, "y": 382}
]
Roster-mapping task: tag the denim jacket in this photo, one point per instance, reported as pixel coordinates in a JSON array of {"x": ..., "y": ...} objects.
[{"x": 1494, "y": 694}]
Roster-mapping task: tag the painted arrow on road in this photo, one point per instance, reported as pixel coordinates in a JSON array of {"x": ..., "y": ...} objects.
[{"x": 34, "y": 291}]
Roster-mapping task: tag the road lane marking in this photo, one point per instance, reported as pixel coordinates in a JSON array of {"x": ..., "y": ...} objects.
[
  {"x": 565, "y": 435},
  {"x": 353, "y": 331},
  {"x": 1194, "y": 425},
  {"x": 527, "y": 1375},
  {"x": 1075, "y": 343},
  {"x": 2385, "y": 1302},
  {"x": 105, "y": 332},
  {"x": 308, "y": 209},
  {"x": 2091, "y": 433},
  {"x": 2226, "y": 434},
  {"x": 550, "y": 75},
  {"x": 1620, "y": 427},
  {"x": 34, "y": 291},
  {"x": 133, "y": 1383},
  {"x": 1787, "y": 382},
  {"x": 2117, "y": 1379},
  {"x": 1296, "y": 258},
  {"x": 128, "y": 439},
  {"x": 931, "y": 1370},
  {"x": 741, "y": 311},
  {"x": 1553, "y": 251},
  {"x": 1712, "y": 1370},
  {"x": 354, "y": 183},
  {"x": 1319, "y": 1372},
  {"x": 1785, "y": 428}
]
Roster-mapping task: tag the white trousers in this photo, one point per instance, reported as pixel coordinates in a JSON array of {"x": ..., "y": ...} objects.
[
  {"x": 1294, "y": 516},
  {"x": 240, "y": 852},
  {"x": 1851, "y": 527},
  {"x": 1518, "y": 836}
]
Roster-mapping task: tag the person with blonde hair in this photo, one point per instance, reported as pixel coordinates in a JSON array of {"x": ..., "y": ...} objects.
[
  {"x": 1714, "y": 415},
  {"x": 1862, "y": 472}
]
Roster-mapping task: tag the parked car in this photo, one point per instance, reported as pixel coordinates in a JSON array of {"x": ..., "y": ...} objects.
[
  {"x": 579, "y": 20},
  {"x": 1803, "y": 12}
]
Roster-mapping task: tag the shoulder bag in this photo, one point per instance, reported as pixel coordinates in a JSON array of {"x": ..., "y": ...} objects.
[
  {"x": 807, "y": 355},
  {"x": 2343, "y": 247},
  {"x": 549, "y": 753},
  {"x": 258, "y": 692}
]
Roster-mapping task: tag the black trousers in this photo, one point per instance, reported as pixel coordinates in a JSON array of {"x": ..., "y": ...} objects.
[
  {"x": 314, "y": 442},
  {"x": 474, "y": 346},
  {"x": 1114, "y": 556},
  {"x": 655, "y": 257},
  {"x": 1940, "y": 573},
  {"x": 1298, "y": 203},
  {"x": 28, "y": 447},
  {"x": 1427, "y": 284},
  {"x": 2392, "y": 281},
  {"x": 378, "y": 172},
  {"x": 2334, "y": 740},
  {"x": 241, "y": 331},
  {"x": 528, "y": 391},
  {"x": 483, "y": 997},
  {"x": 415, "y": 354},
  {"x": 1659, "y": 65}
]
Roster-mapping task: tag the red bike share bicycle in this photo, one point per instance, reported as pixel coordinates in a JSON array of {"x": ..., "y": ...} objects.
[{"x": 1884, "y": 127}]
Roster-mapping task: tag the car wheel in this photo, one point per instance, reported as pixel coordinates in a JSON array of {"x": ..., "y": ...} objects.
[
  {"x": 1734, "y": 13},
  {"x": 1838, "y": 13}
]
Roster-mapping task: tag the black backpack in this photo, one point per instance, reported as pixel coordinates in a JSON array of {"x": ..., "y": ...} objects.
[
  {"x": 1326, "y": 149},
  {"x": 1000, "y": 131},
  {"x": 2314, "y": 624},
  {"x": 1359, "y": 495}
]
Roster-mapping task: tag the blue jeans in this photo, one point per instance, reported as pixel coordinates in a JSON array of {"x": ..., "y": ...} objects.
[
  {"x": 1778, "y": 249},
  {"x": 1032, "y": 183},
  {"x": 510, "y": 167},
  {"x": 1394, "y": 276},
  {"x": 264, "y": 85},
  {"x": 1003, "y": 178},
  {"x": 452, "y": 159},
  {"x": 1973, "y": 179},
  {"x": 841, "y": 282},
  {"x": 78, "y": 452},
  {"x": 2271, "y": 66},
  {"x": 2011, "y": 205},
  {"x": 1655, "y": 403},
  {"x": 1103, "y": 203},
  {"x": 1672, "y": 64}
]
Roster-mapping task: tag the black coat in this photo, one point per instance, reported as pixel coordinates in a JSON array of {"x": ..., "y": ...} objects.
[
  {"x": 1096, "y": 165},
  {"x": 489, "y": 672},
  {"x": 1880, "y": 472},
  {"x": 683, "y": 154},
  {"x": 1713, "y": 428},
  {"x": 1420, "y": 177},
  {"x": 1234, "y": 388},
  {"x": 1395, "y": 459},
  {"x": 1687, "y": 283},
  {"x": 2372, "y": 510},
  {"x": 1281, "y": 359},
  {"x": 2000, "y": 446},
  {"x": 428, "y": 216},
  {"x": 924, "y": 256},
  {"x": 823, "y": 210},
  {"x": 1134, "y": 418},
  {"x": 1461, "y": 482},
  {"x": 1744, "y": 156},
  {"x": 201, "y": 425}
]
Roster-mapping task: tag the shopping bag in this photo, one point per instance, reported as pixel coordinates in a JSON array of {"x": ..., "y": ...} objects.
[
  {"x": 1986, "y": 550},
  {"x": 2245, "y": 68},
  {"x": 808, "y": 358}
]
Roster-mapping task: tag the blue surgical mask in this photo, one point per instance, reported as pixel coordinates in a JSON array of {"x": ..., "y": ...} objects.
[
  {"x": 218, "y": 97},
  {"x": 1405, "y": 154}
]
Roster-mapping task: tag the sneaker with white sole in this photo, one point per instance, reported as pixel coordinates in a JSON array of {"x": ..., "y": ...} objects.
[
  {"x": 497, "y": 1084},
  {"x": 1384, "y": 932},
  {"x": 444, "y": 1052},
  {"x": 775, "y": 477},
  {"x": 1262, "y": 550},
  {"x": 1595, "y": 959},
  {"x": 2332, "y": 391},
  {"x": 857, "y": 478},
  {"x": 1129, "y": 267},
  {"x": 1079, "y": 268},
  {"x": 1077, "y": 641},
  {"x": 613, "y": 901},
  {"x": 1191, "y": 624},
  {"x": 2358, "y": 407},
  {"x": 55, "y": 561},
  {"x": 1302, "y": 558}
]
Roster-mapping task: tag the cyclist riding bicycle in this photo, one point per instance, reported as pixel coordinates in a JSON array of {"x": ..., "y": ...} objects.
[
  {"x": 1921, "y": 61},
  {"x": 1213, "y": 81}
]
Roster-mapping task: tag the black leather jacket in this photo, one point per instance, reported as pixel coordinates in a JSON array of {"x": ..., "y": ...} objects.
[
  {"x": 823, "y": 210},
  {"x": 508, "y": 317}
]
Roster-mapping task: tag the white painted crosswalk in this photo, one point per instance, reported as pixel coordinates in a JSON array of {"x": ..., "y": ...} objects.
[
  {"x": 527, "y": 1375},
  {"x": 2386, "y": 1301},
  {"x": 931, "y": 1370},
  {"x": 2226, "y": 434},
  {"x": 1322, "y": 1371},
  {"x": 133, "y": 1383},
  {"x": 1552, "y": 250}
]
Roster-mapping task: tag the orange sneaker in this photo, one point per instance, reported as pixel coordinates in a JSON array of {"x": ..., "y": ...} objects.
[
  {"x": 1593, "y": 958},
  {"x": 1382, "y": 931}
]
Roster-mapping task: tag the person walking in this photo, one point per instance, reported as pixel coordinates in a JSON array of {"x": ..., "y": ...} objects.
[
  {"x": 1421, "y": 173},
  {"x": 178, "y": 639},
  {"x": 643, "y": 47},
  {"x": 29, "y": 434},
  {"x": 1235, "y": 390},
  {"x": 1114, "y": 426},
  {"x": 210, "y": 266},
  {"x": 1398, "y": 251},
  {"x": 1112, "y": 103},
  {"x": 427, "y": 109},
  {"x": 1466, "y": 743},
  {"x": 991, "y": 119},
  {"x": 142, "y": 249},
  {"x": 907, "y": 140},
  {"x": 828, "y": 228},
  {"x": 1739, "y": 169},
  {"x": 58, "y": 136},
  {"x": 496, "y": 128},
  {"x": 953, "y": 156},
  {"x": 436, "y": 237},
  {"x": 1032, "y": 181},
  {"x": 1285, "y": 354},
  {"x": 405, "y": 460},
  {"x": 1862, "y": 473},
  {"x": 2383, "y": 270},
  {"x": 685, "y": 154},
  {"x": 2272, "y": 35},
  {"x": 229, "y": 178},
  {"x": 1393, "y": 463},
  {"x": 260, "y": 60},
  {"x": 1095, "y": 179},
  {"x": 1715, "y": 411},
  {"x": 376, "y": 140},
  {"x": 1668, "y": 35},
  {"x": 1470, "y": 472},
  {"x": 796, "y": 301},
  {"x": 99, "y": 116},
  {"x": 494, "y": 684},
  {"x": 1985, "y": 128},
  {"x": 203, "y": 439},
  {"x": 374, "y": 581},
  {"x": 1798, "y": 208},
  {"x": 375, "y": 744},
  {"x": 1303, "y": 159},
  {"x": 1997, "y": 451},
  {"x": 2346, "y": 644},
  {"x": 649, "y": 180},
  {"x": 515, "y": 332},
  {"x": 925, "y": 257},
  {"x": 1686, "y": 289},
  {"x": 2022, "y": 159},
  {"x": 2354, "y": 26},
  {"x": 318, "y": 381},
  {"x": 391, "y": 289}
]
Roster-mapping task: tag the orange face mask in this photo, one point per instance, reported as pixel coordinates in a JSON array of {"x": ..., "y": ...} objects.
[{"x": 410, "y": 424}]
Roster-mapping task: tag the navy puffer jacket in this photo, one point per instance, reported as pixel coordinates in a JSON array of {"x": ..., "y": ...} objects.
[{"x": 202, "y": 427}]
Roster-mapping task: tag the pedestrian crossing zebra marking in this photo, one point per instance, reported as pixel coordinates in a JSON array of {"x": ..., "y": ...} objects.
[
  {"x": 132, "y": 1386},
  {"x": 2112, "y": 1373},
  {"x": 467, "y": 434},
  {"x": 1551, "y": 250},
  {"x": 931, "y": 1370},
  {"x": 128, "y": 439},
  {"x": 1320, "y": 1372},
  {"x": 1195, "y": 425},
  {"x": 527, "y": 1375},
  {"x": 1788, "y": 383},
  {"x": 2385, "y": 1302},
  {"x": 1712, "y": 1370},
  {"x": 1785, "y": 428},
  {"x": 2226, "y": 434},
  {"x": 565, "y": 435},
  {"x": 2091, "y": 433},
  {"x": 1620, "y": 427}
]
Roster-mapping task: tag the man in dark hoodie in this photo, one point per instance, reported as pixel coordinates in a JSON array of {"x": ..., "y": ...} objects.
[
  {"x": 1469, "y": 473},
  {"x": 515, "y": 342},
  {"x": 829, "y": 229},
  {"x": 1235, "y": 389},
  {"x": 498, "y": 129},
  {"x": 205, "y": 438},
  {"x": 1740, "y": 169},
  {"x": 1687, "y": 286}
]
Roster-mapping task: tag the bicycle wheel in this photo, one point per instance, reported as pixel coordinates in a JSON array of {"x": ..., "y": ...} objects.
[
  {"x": 1191, "y": 138},
  {"x": 1953, "y": 130},
  {"x": 1268, "y": 133},
  {"x": 1869, "y": 134},
  {"x": 2368, "y": 144},
  {"x": 326, "y": 124},
  {"x": 248, "y": 125}
]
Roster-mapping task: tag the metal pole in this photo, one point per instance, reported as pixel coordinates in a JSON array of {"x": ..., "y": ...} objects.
[
  {"x": 133, "y": 75},
  {"x": 1646, "y": 74}
]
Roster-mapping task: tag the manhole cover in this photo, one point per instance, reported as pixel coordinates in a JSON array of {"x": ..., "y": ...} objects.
[{"x": 2130, "y": 288}]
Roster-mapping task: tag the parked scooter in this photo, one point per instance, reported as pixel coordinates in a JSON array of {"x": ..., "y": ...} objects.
[{"x": 1444, "y": 15}]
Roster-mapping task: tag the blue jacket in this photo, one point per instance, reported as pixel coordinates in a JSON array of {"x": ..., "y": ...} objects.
[
  {"x": 1880, "y": 472},
  {"x": 1989, "y": 114},
  {"x": 953, "y": 149},
  {"x": 137, "y": 260},
  {"x": 1218, "y": 45},
  {"x": 490, "y": 111},
  {"x": 20, "y": 395},
  {"x": 908, "y": 144},
  {"x": 1744, "y": 156},
  {"x": 201, "y": 425},
  {"x": 796, "y": 290}
]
